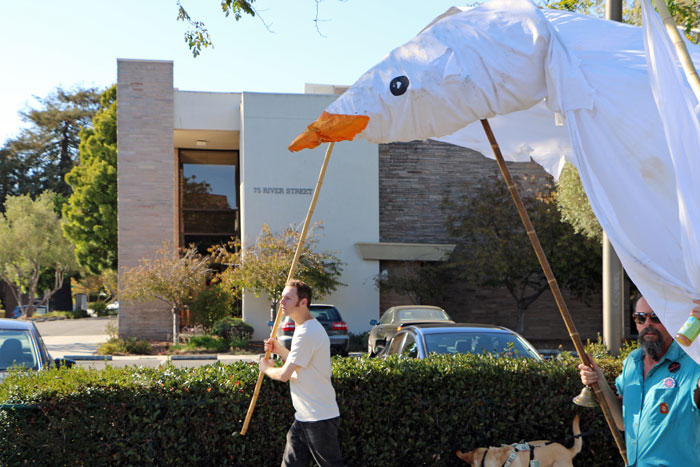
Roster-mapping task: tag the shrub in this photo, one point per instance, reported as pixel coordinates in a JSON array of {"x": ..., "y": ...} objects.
[
  {"x": 394, "y": 412},
  {"x": 358, "y": 342},
  {"x": 230, "y": 328},
  {"x": 209, "y": 343},
  {"x": 99, "y": 307},
  {"x": 240, "y": 343},
  {"x": 128, "y": 346},
  {"x": 212, "y": 304},
  {"x": 79, "y": 313}
]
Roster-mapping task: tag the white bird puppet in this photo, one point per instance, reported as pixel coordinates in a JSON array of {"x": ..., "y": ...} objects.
[{"x": 508, "y": 56}]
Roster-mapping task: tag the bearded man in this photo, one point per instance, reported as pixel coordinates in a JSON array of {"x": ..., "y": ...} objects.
[{"x": 660, "y": 395}]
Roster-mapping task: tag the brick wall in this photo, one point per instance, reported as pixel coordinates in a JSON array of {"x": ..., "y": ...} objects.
[
  {"x": 414, "y": 178},
  {"x": 146, "y": 177}
]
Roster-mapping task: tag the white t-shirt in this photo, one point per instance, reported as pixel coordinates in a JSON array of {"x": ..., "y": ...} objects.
[{"x": 313, "y": 395}]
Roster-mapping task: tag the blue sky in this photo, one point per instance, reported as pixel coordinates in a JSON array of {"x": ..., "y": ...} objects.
[{"x": 77, "y": 42}]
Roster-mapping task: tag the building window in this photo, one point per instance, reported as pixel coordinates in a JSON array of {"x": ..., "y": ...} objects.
[{"x": 208, "y": 198}]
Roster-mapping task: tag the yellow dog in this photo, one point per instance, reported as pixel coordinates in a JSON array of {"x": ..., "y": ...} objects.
[{"x": 535, "y": 453}]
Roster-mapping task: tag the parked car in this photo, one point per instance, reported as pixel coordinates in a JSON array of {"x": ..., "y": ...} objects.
[
  {"x": 418, "y": 341},
  {"x": 14, "y": 314},
  {"x": 21, "y": 345},
  {"x": 17, "y": 311},
  {"x": 329, "y": 317},
  {"x": 396, "y": 316}
]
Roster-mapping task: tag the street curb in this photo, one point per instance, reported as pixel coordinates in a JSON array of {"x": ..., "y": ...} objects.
[
  {"x": 97, "y": 358},
  {"x": 194, "y": 357}
]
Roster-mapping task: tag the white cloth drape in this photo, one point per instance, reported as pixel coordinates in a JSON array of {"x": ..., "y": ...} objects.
[
  {"x": 500, "y": 60},
  {"x": 678, "y": 108}
]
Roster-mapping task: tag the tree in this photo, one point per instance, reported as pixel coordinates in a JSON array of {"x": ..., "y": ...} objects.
[
  {"x": 494, "y": 250},
  {"x": 424, "y": 282},
  {"x": 686, "y": 13},
  {"x": 31, "y": 240},
  {"x": 573, "y": 204},
  {"x": 262, "y": 268},
  {"x": 91, "y": 211},
  {"x": 172, "y": 276},
  {"x": 95, "y": 286},
  {"x": 45, "y": 151},
  {"x": 198, "y": 37}
]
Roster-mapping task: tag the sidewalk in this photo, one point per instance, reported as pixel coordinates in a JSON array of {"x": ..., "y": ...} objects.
[{"x": 60, "y": 346}]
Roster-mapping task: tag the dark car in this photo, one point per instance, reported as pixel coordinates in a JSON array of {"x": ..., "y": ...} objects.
[
  {"x": 21, "y": 345},
  {"x": 419, "y": 341},
  {"x": 396, "y": 316},
  {"x": 329, "y": 317}
]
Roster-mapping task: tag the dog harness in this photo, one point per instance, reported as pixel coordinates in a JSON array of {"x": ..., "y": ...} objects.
[{"x": 517, "y": 447}]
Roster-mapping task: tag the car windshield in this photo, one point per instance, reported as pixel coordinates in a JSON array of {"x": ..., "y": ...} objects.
[
  {"x": 325, "y": 313},
  {"x": 477, "y": 343},
  {"x": 16, "y": 349},
  {"x": 422, "y": 313}
]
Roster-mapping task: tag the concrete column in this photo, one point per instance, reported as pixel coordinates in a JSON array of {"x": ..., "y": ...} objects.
[{"x": 145, "y": 180}]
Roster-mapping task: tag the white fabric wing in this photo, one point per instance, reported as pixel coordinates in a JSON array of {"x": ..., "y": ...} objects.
[
  {"x": 500, "y": 60},
  {"x": 678, "y": 108}
]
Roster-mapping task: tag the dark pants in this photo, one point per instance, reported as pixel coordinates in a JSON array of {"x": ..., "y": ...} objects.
[{"x": 317, "y": 440}]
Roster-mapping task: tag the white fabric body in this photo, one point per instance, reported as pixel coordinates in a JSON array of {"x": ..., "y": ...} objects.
[
  {"x": 511, "y": 59},
  {"x": 313, "y": 396}
]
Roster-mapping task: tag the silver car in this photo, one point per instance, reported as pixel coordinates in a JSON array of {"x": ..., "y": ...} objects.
[
  {"x": 383, "y": 330},
  {"x": 419, "y": 341}
]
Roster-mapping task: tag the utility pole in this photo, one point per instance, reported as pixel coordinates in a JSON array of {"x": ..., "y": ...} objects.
[{"x": 613, "y": 274}]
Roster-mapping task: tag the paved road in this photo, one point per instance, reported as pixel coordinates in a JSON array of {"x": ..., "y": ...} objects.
[
  {"x": 81, "y": 337},
  {"x": 74, "y": 336}
]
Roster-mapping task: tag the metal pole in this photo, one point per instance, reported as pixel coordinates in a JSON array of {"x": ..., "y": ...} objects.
[
  {"x": 290, "y": 276},
  {"x": 554, "y": 286},
  {"x": 613, "y": 274},
  {"x": 613, "y": 10},
  {"x": 613, "y": 298}
]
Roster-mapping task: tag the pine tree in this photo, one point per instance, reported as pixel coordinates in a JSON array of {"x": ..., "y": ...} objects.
[{"x": 91, "y": 212}]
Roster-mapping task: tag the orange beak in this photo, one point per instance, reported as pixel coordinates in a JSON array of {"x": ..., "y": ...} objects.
[{"x": 329, "y": 128}]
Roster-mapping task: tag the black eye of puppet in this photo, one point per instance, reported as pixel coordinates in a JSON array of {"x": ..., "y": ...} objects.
[{"x": 399, "y": 85}]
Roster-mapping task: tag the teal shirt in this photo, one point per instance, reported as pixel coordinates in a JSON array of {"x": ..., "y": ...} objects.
[{"x": 662, "y": 422}]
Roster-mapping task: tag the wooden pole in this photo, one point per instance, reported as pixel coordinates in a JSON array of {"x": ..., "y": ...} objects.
[
  {"x": 554, "y": 286},
  {"x": 691, "y": 73},
  {"x": 290, "y": 276}
]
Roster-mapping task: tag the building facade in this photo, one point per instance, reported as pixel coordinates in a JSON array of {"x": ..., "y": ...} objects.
[{"x": 200, "y": 167}]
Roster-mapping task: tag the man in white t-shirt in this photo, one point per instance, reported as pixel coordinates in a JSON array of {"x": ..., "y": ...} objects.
[{"x": 307, "y": 367}]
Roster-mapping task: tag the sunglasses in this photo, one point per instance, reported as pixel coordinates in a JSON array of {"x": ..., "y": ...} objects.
[{"x": 641, "y": 318}]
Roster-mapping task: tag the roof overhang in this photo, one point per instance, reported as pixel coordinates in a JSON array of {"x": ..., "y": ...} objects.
[{"x": 405, "y": 251}]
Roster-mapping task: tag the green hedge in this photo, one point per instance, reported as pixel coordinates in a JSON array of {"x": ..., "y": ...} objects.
[{"x": 395, "y": 412}]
